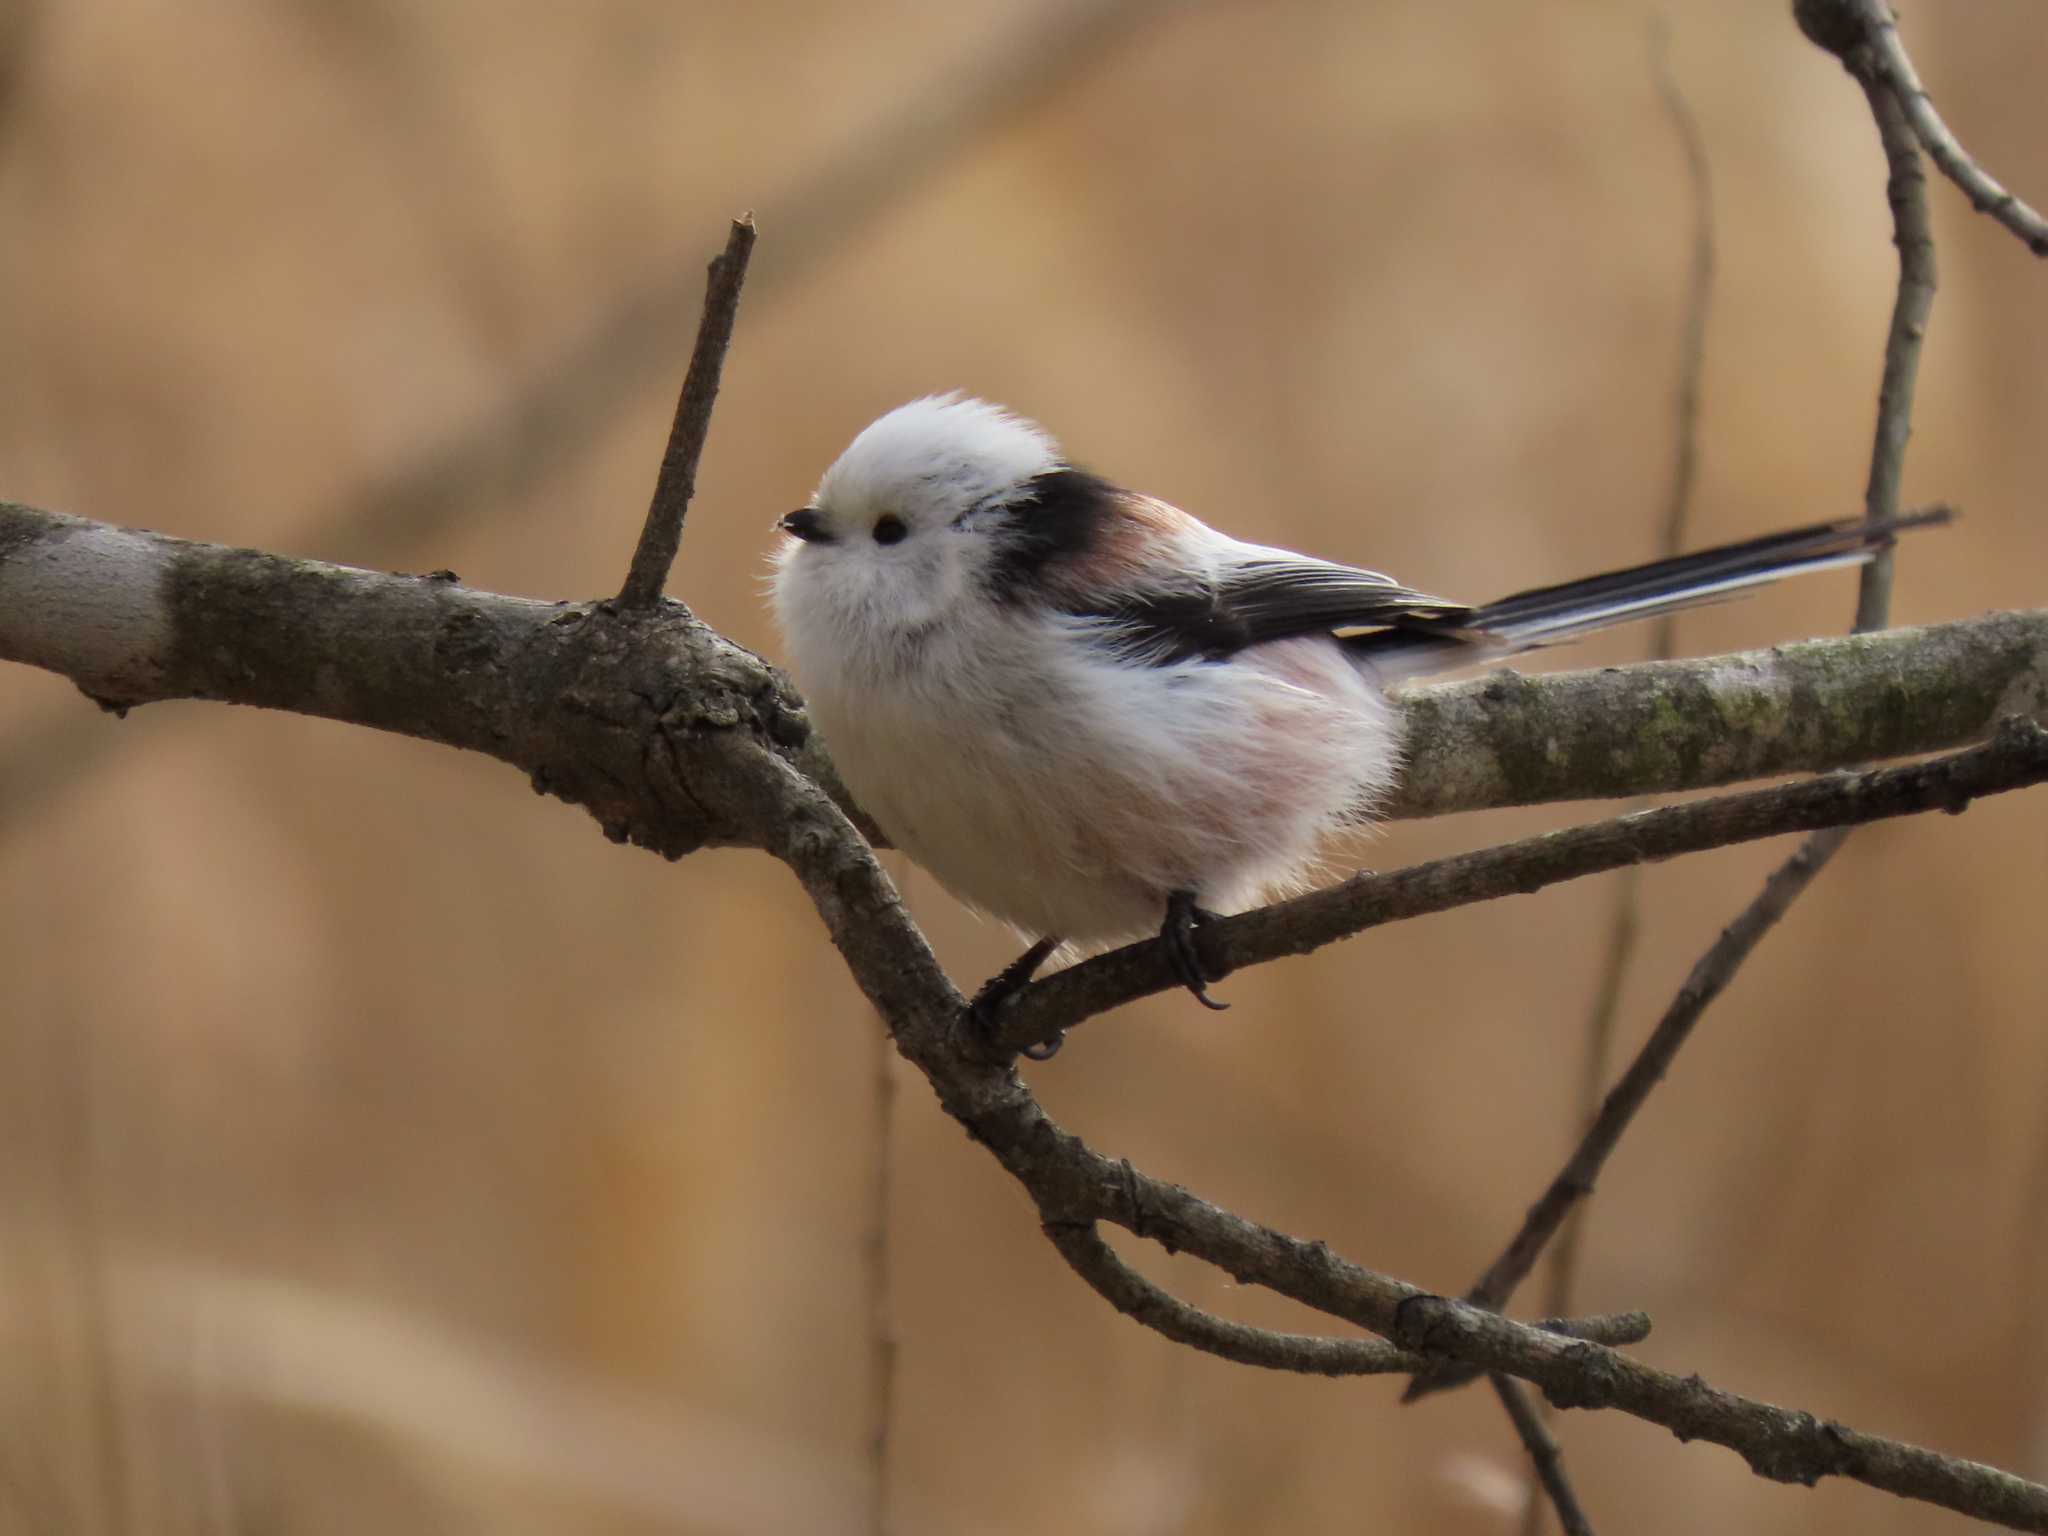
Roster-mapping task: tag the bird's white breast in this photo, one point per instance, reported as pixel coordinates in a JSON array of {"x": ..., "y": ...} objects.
[{"x": 1069, "y": 795}]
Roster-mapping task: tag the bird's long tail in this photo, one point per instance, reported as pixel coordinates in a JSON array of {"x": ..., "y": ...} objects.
[{"x": 1552, "y": 615}]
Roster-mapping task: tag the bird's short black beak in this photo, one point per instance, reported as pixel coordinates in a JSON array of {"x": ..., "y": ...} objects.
[{"x": 808, "y": 524}]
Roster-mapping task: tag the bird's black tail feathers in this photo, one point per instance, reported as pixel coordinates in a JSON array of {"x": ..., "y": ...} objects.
[{"x": 1550, "y": 615}]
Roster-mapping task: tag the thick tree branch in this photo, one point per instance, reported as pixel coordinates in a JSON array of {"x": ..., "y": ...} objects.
[
  {"x": 608, "y": 709},
  {"x": 1702, "y": 723},
  {"x": 135, "y": 618}
]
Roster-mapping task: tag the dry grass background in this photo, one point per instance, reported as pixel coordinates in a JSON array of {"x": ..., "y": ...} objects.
[{"x": 384, "y": 1151}]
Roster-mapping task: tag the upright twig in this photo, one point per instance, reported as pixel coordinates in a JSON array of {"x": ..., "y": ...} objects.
[
  {"x": 1913, "y": 234},
  {"x": 677, "y": 482}
]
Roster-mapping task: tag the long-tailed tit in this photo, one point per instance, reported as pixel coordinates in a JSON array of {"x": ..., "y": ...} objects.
[{"x": 1093, "y": 716}]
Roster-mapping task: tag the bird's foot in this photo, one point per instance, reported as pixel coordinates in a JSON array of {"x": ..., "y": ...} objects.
[
  {"x": 986, "y": 1010},
  {"x": 1177, "y": 933}
]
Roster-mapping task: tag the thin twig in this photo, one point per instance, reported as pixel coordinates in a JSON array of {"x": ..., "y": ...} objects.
[
  {"x": 1913, "y": 234},
  {"x": 677, "y": 483},
  {"x": 1895, "y": 68},
  {"x": 1624, "y": 927},
  {"x": 1708, "y": 980},
  {"x": 1544, "y": 1455},
  {"x": 2017, "y": 755},
  {"x": 1164, "y": 1313},
  {"x": 1082, "y": 1246}
]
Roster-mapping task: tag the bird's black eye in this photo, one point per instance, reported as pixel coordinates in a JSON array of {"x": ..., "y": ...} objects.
[{"x": 889, "y": 529}]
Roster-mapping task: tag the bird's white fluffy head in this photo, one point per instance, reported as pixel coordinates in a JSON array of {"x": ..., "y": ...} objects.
[
  {"x": 932, "y": 460},
  {"x": 905, "y": 522}
]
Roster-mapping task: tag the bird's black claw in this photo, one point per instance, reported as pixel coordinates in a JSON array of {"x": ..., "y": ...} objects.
[
  {"x": 1178, "y": 935},
  {"x": 986, "y": 1010}
]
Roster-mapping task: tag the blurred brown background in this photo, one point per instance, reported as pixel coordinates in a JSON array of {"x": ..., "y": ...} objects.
[{"x": 382, "y": 1150}]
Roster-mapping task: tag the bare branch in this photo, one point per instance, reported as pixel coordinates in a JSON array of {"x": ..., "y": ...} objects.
[
  {"x": 1139, "y": 1299},
  {"x": 1308, "y": 1354},
  {"x": 1611, "y": 1328},
  {"x": 2016, "y": 757},
  {"x": 1885, "y": 58},
  {"x": 610, "y": 710},
  {"x": 1708, "y": 980},
  {"x": 1544, "y": 1455},
  {"x": 1698, "y": 724},
  {"x": 1913, "y": 234},
  {"x": 1785, "y": 1445},
  {"x": 677, "y": 483},
  {"x": 1624, "y": 928},
  {"x": 1073, "y": 1185}
]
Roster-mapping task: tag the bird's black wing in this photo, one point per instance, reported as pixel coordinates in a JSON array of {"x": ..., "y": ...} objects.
[
  {"x": 1256, "y": 601},
  {"x": 1276, "y": 596}
]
